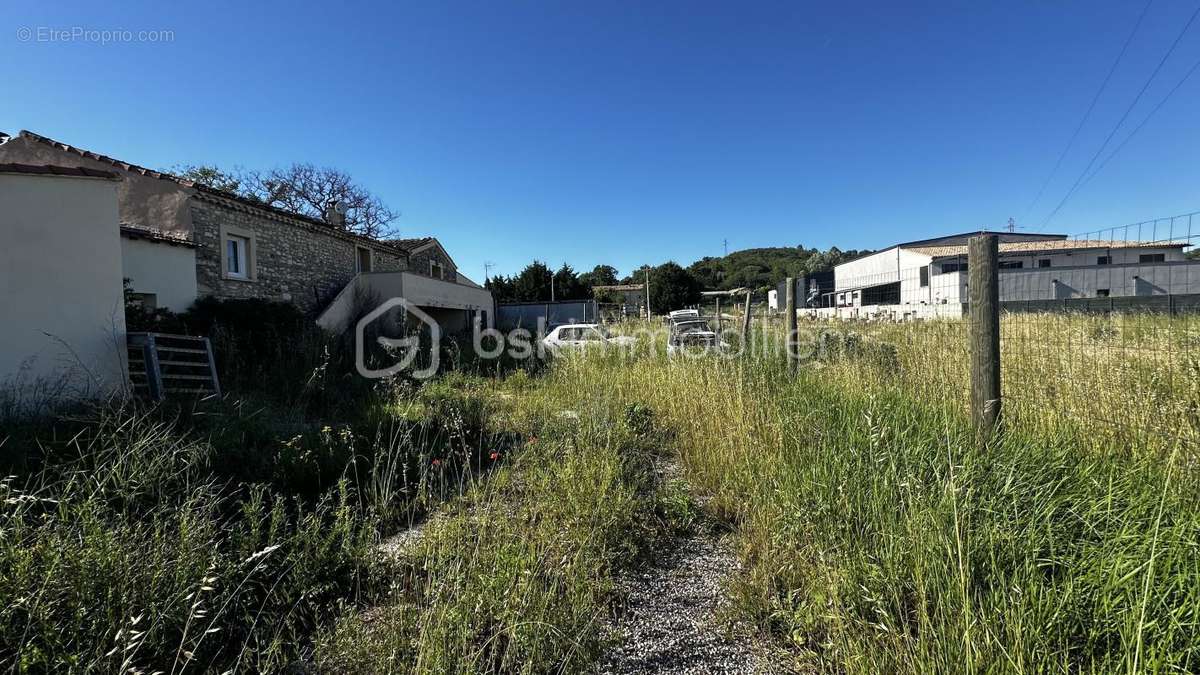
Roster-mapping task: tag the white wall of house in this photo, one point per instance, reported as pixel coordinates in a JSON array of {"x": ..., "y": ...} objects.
[
  {"x": 166, "y": 271},
  {"x": 62, "y": 320},
  {"x": 368, "y": 290}
]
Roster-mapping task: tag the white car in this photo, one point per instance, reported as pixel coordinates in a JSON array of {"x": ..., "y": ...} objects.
[
  {"x": 682, "y": 315},
  {"x": 693, "y": 334},
  {"x": 578, "y": 336}
]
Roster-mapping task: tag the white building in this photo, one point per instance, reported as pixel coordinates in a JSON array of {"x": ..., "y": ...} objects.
[
  {"x": 929, "y": 277},
  {"x": 61, "y": 309}
]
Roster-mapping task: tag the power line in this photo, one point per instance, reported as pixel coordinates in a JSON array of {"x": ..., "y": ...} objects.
[
  {"x": 1121, "y": 121},
  {"x": 1088, "y": 112},
  {"x": 1138, "y": 128}
]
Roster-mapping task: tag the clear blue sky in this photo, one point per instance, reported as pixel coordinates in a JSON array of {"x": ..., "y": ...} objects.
[{"x": 635, "y": 132}]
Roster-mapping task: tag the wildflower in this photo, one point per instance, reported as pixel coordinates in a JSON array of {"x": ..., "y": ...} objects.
[
  {"x": 326, "y": 429},
  {"x": 437, "y": 462},
  {"x": 533, "y": 440},
  {"x": 495, "y": 456}
]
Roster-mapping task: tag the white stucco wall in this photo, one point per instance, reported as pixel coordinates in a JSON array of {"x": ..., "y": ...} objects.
[
  {"x": 422, "y": 291},
  {"x": 166, "y": 270},
  {"x": 62, "y": 320}
]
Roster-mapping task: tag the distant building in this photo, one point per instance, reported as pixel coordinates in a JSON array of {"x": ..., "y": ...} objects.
[
  {"x": 631, "y": 298},
  {"x": 812, "y": 290},
  {"x": 929, "y": 277}
]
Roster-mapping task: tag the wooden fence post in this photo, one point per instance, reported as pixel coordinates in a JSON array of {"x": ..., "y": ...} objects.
[
  {"x": 646, "y": 291},
  {"x": 718, "y": 318},
  {"x": 790, "y": 305},
  {"x": 983, "y": 253},
  {"x": 746, "y": 323}
]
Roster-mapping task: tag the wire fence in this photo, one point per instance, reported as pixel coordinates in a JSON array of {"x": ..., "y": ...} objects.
[{"x": 1099, "y": 332}]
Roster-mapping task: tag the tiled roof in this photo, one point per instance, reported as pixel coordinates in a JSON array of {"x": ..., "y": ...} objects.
[
  {"x": 199, "y": 187},
  {"x": 55, "y": 170},
  {"x": 1017, "y": 247},
  {"x": 139, "y": 232},
  {"x": 410, "y": 244}
]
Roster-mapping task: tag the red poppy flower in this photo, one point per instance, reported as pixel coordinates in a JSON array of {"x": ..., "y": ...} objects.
[
  {"x": 437, "y": 462},
  {"x": 495, "y": 456}
]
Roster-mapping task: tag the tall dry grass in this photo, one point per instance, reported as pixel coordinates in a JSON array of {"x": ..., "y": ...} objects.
[{"x": 877, "y": 538}]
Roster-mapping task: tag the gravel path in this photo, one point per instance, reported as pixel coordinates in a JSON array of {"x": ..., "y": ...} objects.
[{"x": 671, "y": 620}]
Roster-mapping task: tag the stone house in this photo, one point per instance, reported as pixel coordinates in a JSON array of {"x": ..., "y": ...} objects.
[{"x": 182, "y": 240}]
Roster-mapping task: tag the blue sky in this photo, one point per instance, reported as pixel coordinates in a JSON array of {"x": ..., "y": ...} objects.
[{"x": 636, "y": 132}]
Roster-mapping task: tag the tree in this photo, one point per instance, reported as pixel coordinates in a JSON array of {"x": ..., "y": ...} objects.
[
  {"x": 209, "y": 176},
  {"x": 672, "y": 287},
  {"x": 304, "y": 189},
  {"x": 567, "y": 285},
  {"x": 601, "y": 275},
  {"x": 765, "y": 267},
  {"x": 533, "y": 283},
  {"x": 502, "y": 288}
]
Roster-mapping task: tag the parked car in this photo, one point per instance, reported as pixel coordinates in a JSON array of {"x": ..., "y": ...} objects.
[
  {"x": 692, "y": 334},
  {"x": 683, "y": 314},
  {"x": 578, "y": 336}
]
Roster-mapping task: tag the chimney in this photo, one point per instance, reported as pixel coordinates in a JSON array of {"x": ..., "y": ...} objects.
[{"x": 335, "y": 213}]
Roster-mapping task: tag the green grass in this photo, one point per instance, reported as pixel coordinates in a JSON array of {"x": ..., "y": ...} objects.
[
  {"x": 517, "y": 576},
  {"x": 878, "y": 539}
]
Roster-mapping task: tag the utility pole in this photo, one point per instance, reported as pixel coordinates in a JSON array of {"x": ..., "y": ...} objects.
[
  {"x": 487, "y": 268},
  {"x": 726, "y": 241}
]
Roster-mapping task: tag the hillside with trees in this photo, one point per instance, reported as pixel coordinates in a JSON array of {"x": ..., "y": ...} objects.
[
  {"x": 671, "y": 285},
  {"x": 763, "y": 268}
]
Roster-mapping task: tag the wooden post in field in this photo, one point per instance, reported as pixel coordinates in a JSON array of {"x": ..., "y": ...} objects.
[
  {"x": 983, "y": 253},
  {"x": 790, "y": 303},
  {"x": 746, "y": 323},
  {"x": 646, "y": 291},
  {"x": 718, "y": 318}
]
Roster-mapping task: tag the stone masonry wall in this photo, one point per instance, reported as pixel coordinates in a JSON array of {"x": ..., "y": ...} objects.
[
  {"x": 293, "y": 261},
  {"x": 419, "y": 263}
]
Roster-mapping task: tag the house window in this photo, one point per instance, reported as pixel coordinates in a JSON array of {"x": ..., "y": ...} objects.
[
  {"x": 954, "y": 267},
  {"x": 1101, "y": 292},
  {"x": 1152, "y": 257},
  {"x": 1044, "y": 262},
  {"x": 1104, "y": 260},
  {"x": 237, "y": 257},
  {"x": 435, "y": 269},
  {"x": 362, "y": 262},
  {"x": 1012, "y": 264},
  {"x": 147, "y": 301},
  {"x": 924, "y": 277}
]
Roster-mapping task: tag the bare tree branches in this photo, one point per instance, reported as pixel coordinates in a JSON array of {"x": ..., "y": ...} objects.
[{"x": 304, "y": 189}]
